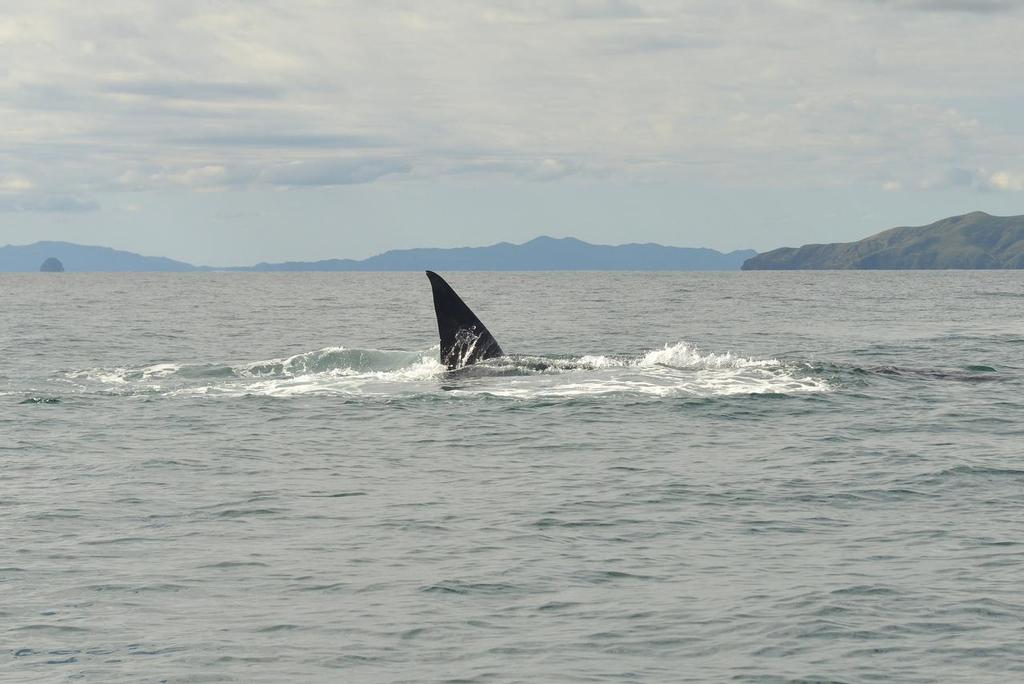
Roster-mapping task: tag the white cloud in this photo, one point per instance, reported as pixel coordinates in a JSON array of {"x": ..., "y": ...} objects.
[
  {"x": 1005, "y": 180},
  {"x": 524, "y": 169},
  {"x": 329, "y": 172},
  {"x": 290, "y": 93},
  {"x": 968, "y": 6},
  {"x": 310, "y": 173},
  {"x": 15, "y": 184},
  {"x": 209, "y": 176},
  {"x": 46, "y": 203}
]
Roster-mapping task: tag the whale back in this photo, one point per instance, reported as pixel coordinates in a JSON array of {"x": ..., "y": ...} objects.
[{"x": 464, "y": 339}]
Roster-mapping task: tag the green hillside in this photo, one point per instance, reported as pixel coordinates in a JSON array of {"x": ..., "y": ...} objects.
[{"x": 975, "y": 240}]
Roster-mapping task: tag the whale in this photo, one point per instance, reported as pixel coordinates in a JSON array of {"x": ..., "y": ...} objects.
[{"x": 464, "y": 339}]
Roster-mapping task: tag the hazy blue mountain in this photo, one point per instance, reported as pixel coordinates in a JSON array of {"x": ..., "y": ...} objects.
[
  {"x": 26, "y": 258},
  {"x": 975, "y": 240},
  {"x": 52, "y": 265},
  {"x": 539, "y": 254}
]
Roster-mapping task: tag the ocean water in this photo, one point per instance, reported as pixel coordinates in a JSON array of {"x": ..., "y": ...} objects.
[{"x": 751, "y": 477}]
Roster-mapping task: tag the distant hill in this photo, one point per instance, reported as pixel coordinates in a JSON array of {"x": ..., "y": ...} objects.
[
  {"x": 971, "y": 241},
  {"x": 539, "y": 254},
  {"x": 25, "y": 258},
  {"x": 51, "y": 265}
]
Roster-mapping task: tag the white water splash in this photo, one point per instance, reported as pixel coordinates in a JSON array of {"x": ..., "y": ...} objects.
[
  {"x": 674, "y": 370},
  {"x": 682, "y": 355}
]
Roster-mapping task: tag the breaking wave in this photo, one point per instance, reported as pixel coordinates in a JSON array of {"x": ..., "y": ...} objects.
[{"x": 674, "y": 370}]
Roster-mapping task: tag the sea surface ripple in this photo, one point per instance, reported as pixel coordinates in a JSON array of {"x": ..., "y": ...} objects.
[{"x": 752, "y": 477}]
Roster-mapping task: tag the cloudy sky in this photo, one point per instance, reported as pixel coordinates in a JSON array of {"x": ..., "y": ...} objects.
[{"x": 228, "y": 132}]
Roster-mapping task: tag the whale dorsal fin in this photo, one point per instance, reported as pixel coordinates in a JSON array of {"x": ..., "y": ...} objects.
[{"x": 464, "y": 339}]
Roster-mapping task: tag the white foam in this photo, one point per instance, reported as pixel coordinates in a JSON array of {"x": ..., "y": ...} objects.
[
  {"x": 674, "y": 370},
  {"x": 296, "y": 364},
  {"x": 109, "y": 376},
  {"x": 343, "y": 380},
  {"x": 125, "y": 375},
  {"x": 682, "y": 355},
  {"x": 702, "y": 384},
  {"x": 160, "y": 370},
  {"x": 598, "y": 361}
]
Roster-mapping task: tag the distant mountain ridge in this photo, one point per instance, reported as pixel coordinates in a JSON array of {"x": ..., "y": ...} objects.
[
  {"x": 539, "y": 254},
  {"x": 26, "y": 258},
  {"x": 972, "y": 241}
]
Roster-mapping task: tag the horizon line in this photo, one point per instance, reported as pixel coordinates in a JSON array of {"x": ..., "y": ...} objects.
[{"x": 568, "y": 238}]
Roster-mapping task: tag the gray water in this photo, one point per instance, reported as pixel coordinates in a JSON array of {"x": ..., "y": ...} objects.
[{"x": 755, "y": 477}]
